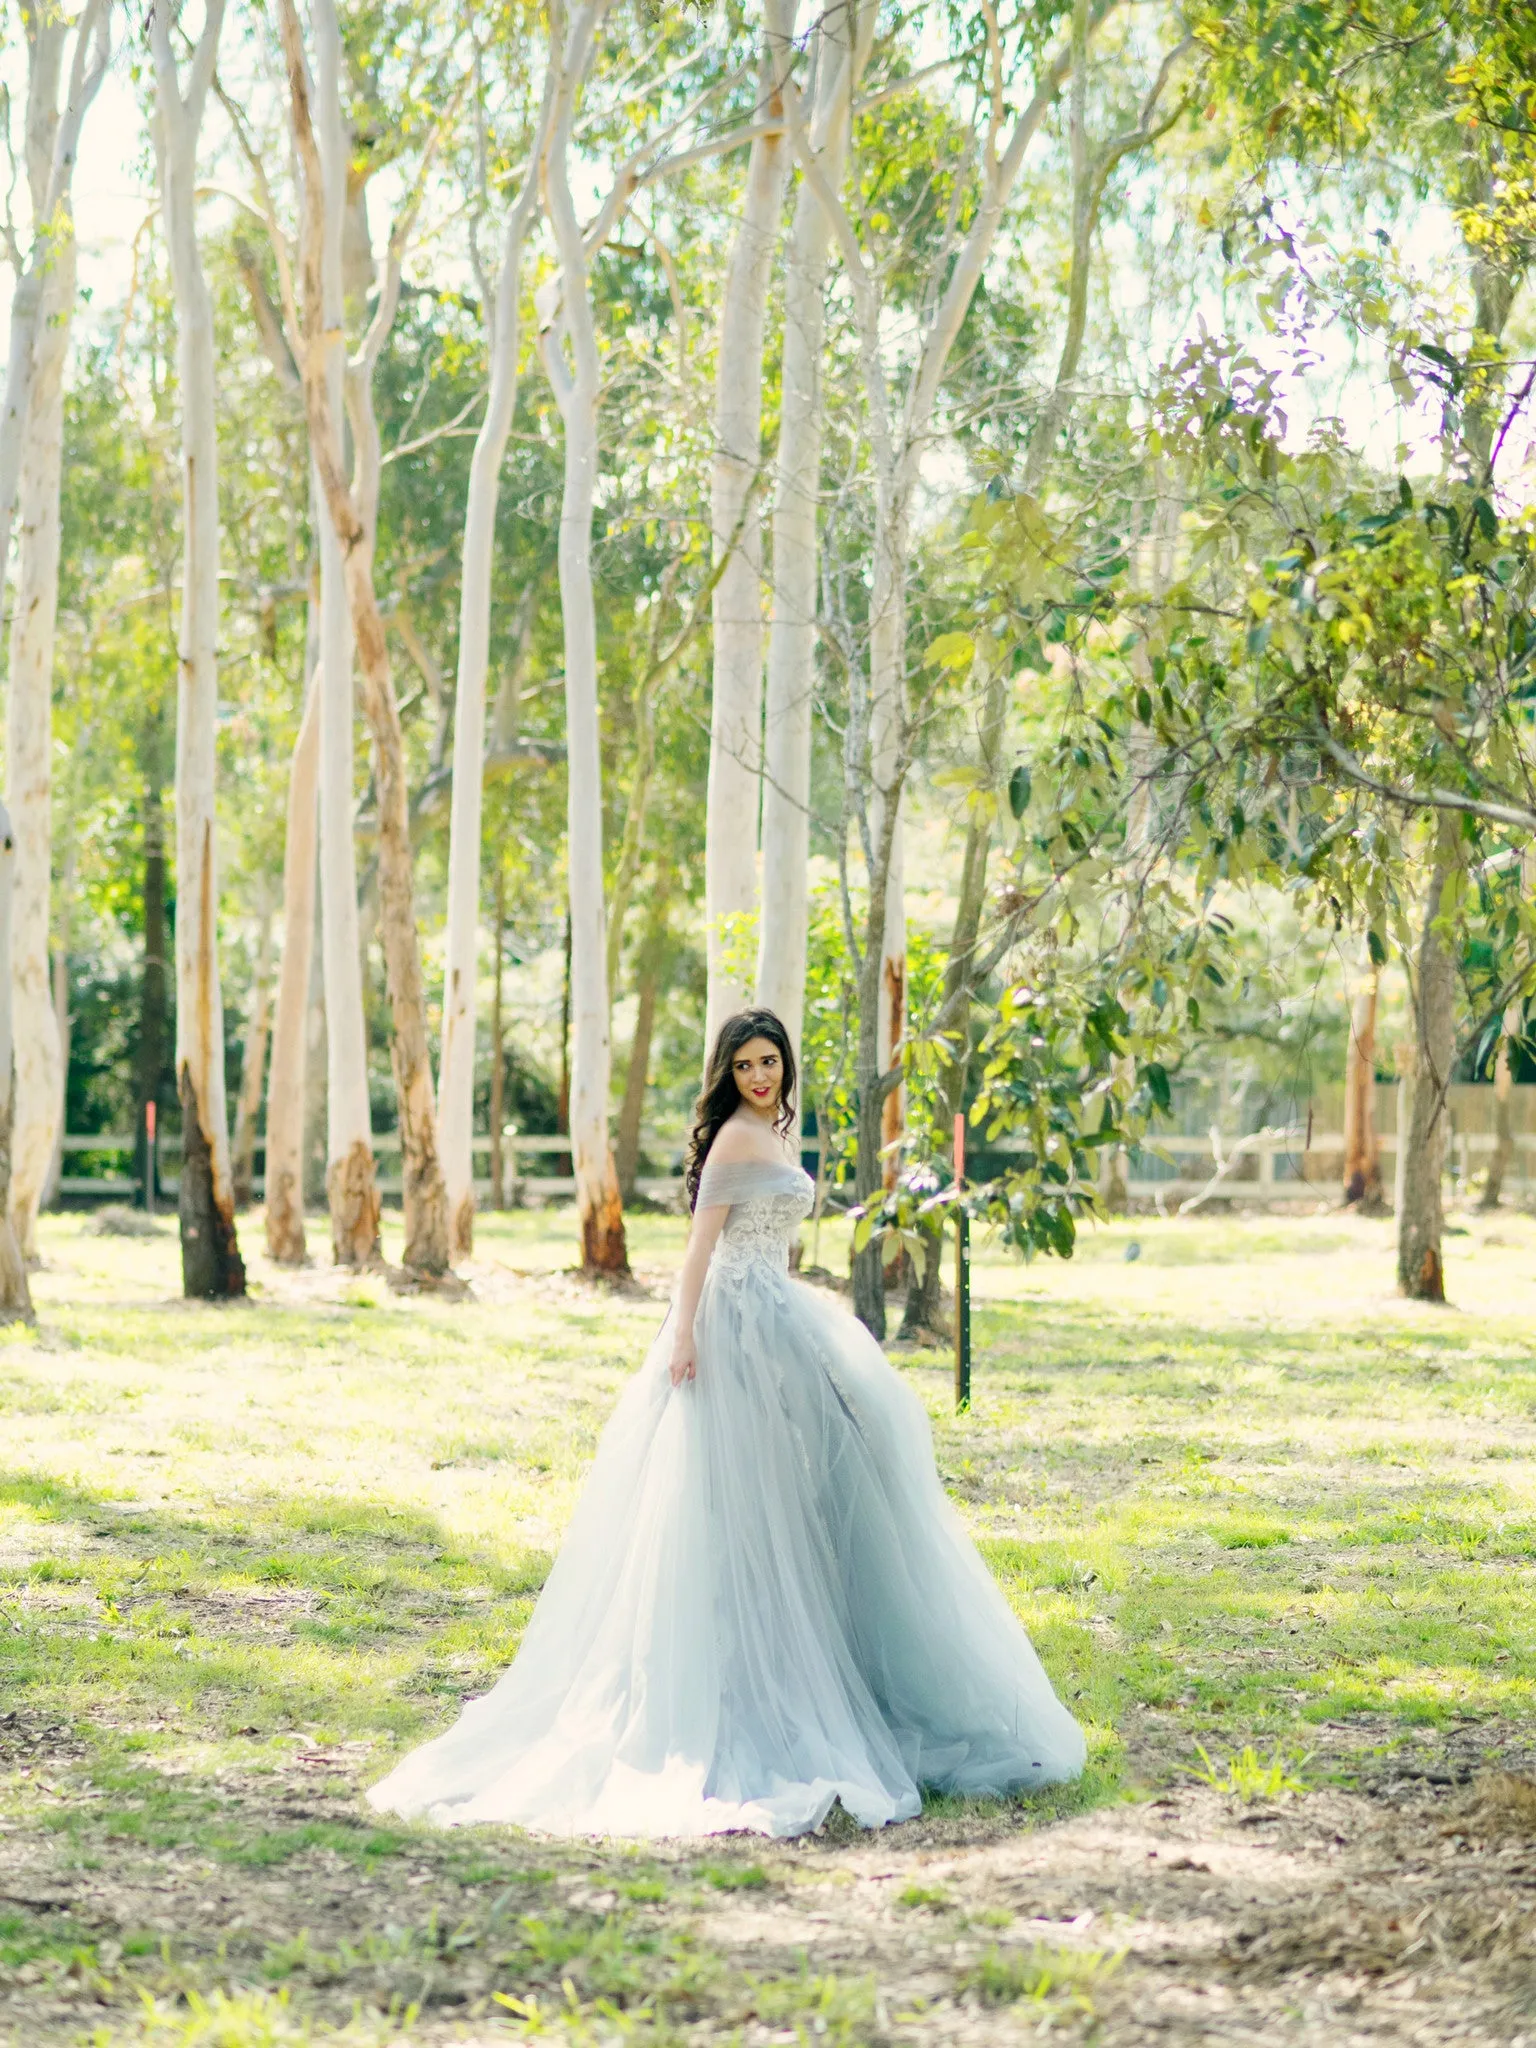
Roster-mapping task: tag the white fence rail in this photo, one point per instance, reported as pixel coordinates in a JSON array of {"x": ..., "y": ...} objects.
[{"x": 1276, "y": 1166}]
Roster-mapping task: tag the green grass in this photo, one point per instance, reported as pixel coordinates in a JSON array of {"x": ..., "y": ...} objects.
[{"x": 1246, "y": 1502}]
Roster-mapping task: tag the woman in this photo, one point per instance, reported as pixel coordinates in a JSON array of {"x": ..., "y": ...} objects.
[{"x": 765, "y": 1602}]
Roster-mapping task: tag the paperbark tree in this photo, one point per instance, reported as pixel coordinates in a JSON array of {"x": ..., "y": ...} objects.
[
  {"x": 210, "y": 1254},
  {"x": 1422, "y": 1134},
  {"x": 1362, "y": 1159},
  {"x": 841, "y": 44},
  {"x": 568, "y": 345},
  {"x": 456, "y": 1080},
  {"x": 736, "y": 702},
  {"x": 15, "y": 1295},
  {"x": 286, "y": 1095},
  {"x": 425, "y": 1202},
  {"x": 31, "y": 451}
]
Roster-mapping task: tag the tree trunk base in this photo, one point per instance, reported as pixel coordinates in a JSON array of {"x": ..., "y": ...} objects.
[
  {"x": 1427, "y": 1282},
  {"x": 922, "y": 1315},
  {"x": 869, "y": 1291},
  {"x": 15, "y": 1294},
  {"x": 211, "y": 1266},
  {"x": 1362, "y": 1191},
  {"x": 426, "y": 1222},
  {"x": 461, "y": 1235},
  {"x": 353, "y": 1193},
  {"x": 285, "y": 1222},
  {"x": 604, "y": 1250}
]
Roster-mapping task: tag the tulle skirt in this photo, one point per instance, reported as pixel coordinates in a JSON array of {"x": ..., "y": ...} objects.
[{"x": 764, "y": 1603}]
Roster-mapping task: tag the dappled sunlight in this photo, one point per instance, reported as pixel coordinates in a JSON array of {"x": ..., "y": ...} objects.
[{"x": 250, "y": 1553}]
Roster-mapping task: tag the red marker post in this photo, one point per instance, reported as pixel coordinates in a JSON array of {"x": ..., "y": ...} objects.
[
  {"x": 149, "y": 1157},
  {"x": 962, "y": 1280}
]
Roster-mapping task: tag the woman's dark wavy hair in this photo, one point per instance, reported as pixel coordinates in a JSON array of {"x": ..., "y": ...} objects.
[{"x": 719, "y": 1098}]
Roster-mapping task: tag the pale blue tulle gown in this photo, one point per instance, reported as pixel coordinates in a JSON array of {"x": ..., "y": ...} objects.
[{"x": 765, "y": 1601}]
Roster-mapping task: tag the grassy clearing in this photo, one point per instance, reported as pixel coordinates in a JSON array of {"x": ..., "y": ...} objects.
[{"x": 1272, "y": 1531}]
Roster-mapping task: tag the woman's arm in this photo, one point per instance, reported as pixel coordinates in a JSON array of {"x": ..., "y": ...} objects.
[{"x": 707, "y": 1226}]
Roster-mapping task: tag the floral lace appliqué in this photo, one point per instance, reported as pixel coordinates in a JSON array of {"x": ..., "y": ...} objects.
[{"x": 758, "y": 1233}]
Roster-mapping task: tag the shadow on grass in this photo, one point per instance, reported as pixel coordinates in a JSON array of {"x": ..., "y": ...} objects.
[{"x": 277, "y": 1612}]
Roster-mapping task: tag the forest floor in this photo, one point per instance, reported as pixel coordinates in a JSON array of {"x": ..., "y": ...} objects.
[{"x": 1273, "y": 1531}]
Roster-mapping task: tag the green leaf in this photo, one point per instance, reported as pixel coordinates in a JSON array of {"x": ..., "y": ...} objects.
[
  {"x": 1376, "y": 945},
  {"x": 1144, "y": 705},
  {"x": 1155, "y": 1074},
  {"x": 952, "y": 651},
  {"x": 1487, "y": 518},
  {"x": 1019, "y": 788}
]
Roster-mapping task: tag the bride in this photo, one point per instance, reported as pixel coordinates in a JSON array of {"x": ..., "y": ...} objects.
[{"x": 765, "y": 1602}]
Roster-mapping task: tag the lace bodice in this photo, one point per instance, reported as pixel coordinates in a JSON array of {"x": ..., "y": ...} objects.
[{"x": 767, "y": 1204}]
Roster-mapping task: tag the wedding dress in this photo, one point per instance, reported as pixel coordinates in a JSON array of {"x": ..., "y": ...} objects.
[{"x": 764, "y": 1602}]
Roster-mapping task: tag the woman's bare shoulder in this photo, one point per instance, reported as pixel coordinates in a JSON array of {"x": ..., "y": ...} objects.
[{"x": 738, "y": 1143}]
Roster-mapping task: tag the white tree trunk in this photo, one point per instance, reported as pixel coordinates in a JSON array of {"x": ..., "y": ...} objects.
[
  {"x": 29, "y": 755},
  {"x": 350, "y": 1178},
  {"x": 796, "y": 505},
  {"x": 576, "y": 386},
  {"x": 52, "y": 145},
  {"x": 210, "y": 1256},
  {"x": 286, "y": 1090},
  {"x": 736, "y": 704},
  {"x": 350, "y": 508},
  {"x": 15, "y": 1295},
  {"x": 456, "y": 1078}
]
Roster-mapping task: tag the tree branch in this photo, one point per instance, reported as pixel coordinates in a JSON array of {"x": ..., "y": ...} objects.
[{"x": 1425, "y": 800}]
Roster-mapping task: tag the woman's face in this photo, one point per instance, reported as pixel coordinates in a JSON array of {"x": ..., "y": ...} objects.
[{"x": 759, "y": 1074}]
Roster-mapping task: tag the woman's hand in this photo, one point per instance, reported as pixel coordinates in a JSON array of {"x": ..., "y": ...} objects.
[{"x": 685, "y": 1358}]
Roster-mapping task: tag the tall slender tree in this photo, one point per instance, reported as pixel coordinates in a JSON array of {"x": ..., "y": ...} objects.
[
  {"x": 568, "y": 345},
  {"x": 840, "y": 45},
  {"x": 210, "y": 1254},
  {"x": 287, "y": 1093},
  {"x": 31, "y": 453},
  {"x": 425, "y": 1202},
  {"x": 736, "y": 702},
  {"x": 15, "y": 1294},
  {"x": 456, "y": 1079}
]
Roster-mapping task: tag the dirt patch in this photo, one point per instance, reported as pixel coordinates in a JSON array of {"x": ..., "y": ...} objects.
[{"x": 1404, "y": 1911}]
